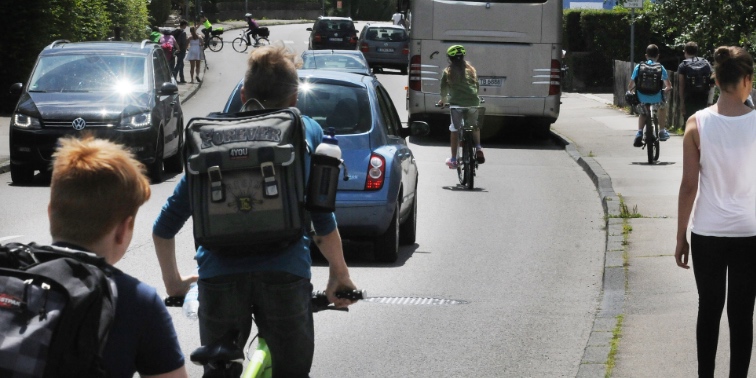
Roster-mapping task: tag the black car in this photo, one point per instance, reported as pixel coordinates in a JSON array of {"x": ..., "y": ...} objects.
[
  {"x": 336, "y": 33},
  {"x": 122, "y": 91}
]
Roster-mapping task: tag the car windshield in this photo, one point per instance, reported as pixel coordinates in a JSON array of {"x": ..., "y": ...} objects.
[
  {"x": 336, "y": 25},
  {"x": 90, "y": 73},
  {"x": 345, "y": 108},
  {"x": 334, "y": 62},
  {"x": 386, "y": 35}
]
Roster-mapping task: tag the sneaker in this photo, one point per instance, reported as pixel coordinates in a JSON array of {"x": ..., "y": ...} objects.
[
  {"x": 198, "y": 79},
  {"x": 663, "y": 135},
  {"x": 479, "y": 157},
  {"x": 638, "y": 142},
  {"x": 451, "y": 163}
]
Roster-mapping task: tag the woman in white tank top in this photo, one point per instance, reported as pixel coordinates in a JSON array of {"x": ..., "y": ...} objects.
[{"x": 719, "y": 188}]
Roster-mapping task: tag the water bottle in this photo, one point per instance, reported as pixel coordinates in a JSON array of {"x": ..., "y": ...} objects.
[
  {"x": 324, "y": 174},
  {"x": 191, "y": 302}
]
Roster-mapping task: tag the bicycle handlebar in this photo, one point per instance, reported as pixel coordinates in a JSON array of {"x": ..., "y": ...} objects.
[{"x": 319, "y": 301}]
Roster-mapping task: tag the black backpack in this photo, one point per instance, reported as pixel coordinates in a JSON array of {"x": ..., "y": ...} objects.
[
  {"x": 56, "y": 308},
  {"x": 649, "y": 78},
  {"x": 697, "y": 76},
  {"x": 245, "y": 173}
]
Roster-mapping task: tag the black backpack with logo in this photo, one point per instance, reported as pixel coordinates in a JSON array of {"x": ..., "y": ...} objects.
[
  {"x": 697, "y": 76},
  {"x": 56, "y": 308},
  {"x": 245, "y": 173},
  {"x": 649, "y": 78}
]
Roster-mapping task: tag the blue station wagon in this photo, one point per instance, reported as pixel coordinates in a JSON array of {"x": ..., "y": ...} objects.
[{"x": 379, "y": 201}]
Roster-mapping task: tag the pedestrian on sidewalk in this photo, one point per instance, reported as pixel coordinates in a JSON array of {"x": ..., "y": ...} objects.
[
  {"x": 719, "y": 166},
  {"x": 693, "y": 81},
  {"x": 194, "y": 55},
  {"x": 178, "y": 71}
]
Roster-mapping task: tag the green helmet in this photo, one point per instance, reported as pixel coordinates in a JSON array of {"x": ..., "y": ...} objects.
[{"x": 456, "y": 50}]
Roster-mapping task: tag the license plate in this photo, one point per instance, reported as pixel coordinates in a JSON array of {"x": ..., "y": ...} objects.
[
  {"x": 336, "y": 39},
  {"x": 491, "y": 81},
  {"x": 385, "y": 49}
]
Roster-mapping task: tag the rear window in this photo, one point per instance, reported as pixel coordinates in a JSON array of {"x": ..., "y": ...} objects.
[
  {"x": 333, "y": 62},
  {"x": 345, "y": 108},
  {"x": 90, "y": 73},
  {"x": 335, "y": 25},
  {"x": 386, "y": 34}
]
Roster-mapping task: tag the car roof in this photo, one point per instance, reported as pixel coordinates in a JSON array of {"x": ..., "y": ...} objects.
[
  {"x": 332, "y": 52},
  {"x": 324, "y": 18},
  {"x": 385, "y": 26},
  {"x": 65, "y": 47}
]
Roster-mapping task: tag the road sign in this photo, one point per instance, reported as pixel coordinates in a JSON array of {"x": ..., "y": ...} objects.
[{"x": 633, "y": 4}]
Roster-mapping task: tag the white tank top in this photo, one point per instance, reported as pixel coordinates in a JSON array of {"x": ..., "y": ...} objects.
[{"x": 726, "y": 202}]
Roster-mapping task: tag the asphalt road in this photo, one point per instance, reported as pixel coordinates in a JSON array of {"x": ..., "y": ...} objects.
[{"x": 522, "y": 255}]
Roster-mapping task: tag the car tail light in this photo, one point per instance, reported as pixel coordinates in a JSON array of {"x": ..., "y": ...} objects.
[
  {"x": 555, "y": 78},
  {"x": 364, "y": 47},
  {"x": 353, "y": 39},
  {"x": 415, "y": 73},
  {"x": 376, "y": 172},
  {"x": 405, "y": 50},
  {"x": 316, "y": 38}
]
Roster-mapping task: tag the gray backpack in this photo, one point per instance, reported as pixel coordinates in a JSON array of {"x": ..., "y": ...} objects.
[{"x": 246, "y": 180}]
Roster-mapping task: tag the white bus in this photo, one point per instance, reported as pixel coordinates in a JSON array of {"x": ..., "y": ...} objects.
[{"x": 515, "y": 46}]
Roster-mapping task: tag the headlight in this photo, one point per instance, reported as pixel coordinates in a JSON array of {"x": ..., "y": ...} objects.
[
  {"x": 137, "y": 121},
  {"x": 23, "y": 121}
]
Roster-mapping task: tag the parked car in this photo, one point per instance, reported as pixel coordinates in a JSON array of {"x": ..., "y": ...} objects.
[
  {"x": 336, "y": 60},
  {"x": 379, "y": 201},
  {"x": 336, "y": 33},
  {"x": 123, "y": 91},
  {"x": 385, "y": 46}
]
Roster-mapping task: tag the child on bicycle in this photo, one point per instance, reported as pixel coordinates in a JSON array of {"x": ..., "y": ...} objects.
[
  {"x": 252, "y": 26},
  {"x": 652, "y": 56},
  {"x": 459, "y": 88}
]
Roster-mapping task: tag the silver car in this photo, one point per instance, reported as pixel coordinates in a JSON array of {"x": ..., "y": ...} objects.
[{"x": 385, "y": 46}]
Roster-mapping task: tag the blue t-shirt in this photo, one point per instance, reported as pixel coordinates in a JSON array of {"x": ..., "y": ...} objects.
[
  {"x": 646, "y": 99},
  {"x": 295, "y": 259},
  {"x": 142, "y": 338}
]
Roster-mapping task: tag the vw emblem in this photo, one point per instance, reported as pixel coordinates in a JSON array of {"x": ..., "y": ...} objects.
[
  {"x": 335, "y": 34},
  {"x": 79, "y": 124}
]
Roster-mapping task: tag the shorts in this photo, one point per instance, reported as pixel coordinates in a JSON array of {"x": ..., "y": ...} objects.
[{"x": 458, "y": 113}]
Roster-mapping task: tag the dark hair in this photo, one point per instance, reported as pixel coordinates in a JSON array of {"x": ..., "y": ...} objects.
[
  {"x": 183, "y": 22},
  {"x": 652, "y": 51},
  {"x": 691, "y": 48},
  {"x": 155, "y": 28},
  {"x": 731, "y": 64}
]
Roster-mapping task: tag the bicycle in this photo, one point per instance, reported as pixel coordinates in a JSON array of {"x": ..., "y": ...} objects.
[
  {"x": 651, "y": 130},
  {"x": 225, "y": 356},
  {"x": 471, "y": 118},
  {"x": 215, "y": 41},
  {"x": 240, "y": 43}
]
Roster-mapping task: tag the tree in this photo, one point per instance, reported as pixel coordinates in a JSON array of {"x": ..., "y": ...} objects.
[{"x": 710, "y": 23}]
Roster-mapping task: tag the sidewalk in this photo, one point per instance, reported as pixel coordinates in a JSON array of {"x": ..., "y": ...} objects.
[
  {"x": 656, "y": 300},
  {"x": 186, "y": 91}
]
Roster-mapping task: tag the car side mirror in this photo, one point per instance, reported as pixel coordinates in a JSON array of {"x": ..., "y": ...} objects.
[
  {"x": 309, "y": 29},
  {"x": 16, "y": 89},
  {"x": 417, "y": 128},
  {"x": 168, "y": 88}
]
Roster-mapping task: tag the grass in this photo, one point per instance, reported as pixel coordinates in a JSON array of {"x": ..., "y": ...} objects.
[
  {"x": 625, "y": 212},
  {"x": 614, "y": 345}
]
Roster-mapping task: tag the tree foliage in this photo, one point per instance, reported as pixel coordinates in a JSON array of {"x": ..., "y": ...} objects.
[
  {"x": 710, "y": 23},
  {"x": 159, "y": 11},
  {"x": 131, "y": 17}
]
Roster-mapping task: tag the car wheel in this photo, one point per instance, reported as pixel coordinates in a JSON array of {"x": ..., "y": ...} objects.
[
  {"x": 156, "y": 168},
  {"x": 387, "y": 245},
  {"x": 175, "y": 163},
  {"x": 408, "y": 229},
  {"x": 21, "y": 175}
]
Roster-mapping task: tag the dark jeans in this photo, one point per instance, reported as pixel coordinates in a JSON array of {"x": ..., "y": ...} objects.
[
  {"x": 178, "y": 71},
  {"x": 694, "y": 103},
  {"x": 725, "y": 268},
  {"x": 280, "y": 303}
]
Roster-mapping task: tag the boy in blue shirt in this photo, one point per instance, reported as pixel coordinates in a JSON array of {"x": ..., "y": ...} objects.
[{"x": 652, "y": 56}]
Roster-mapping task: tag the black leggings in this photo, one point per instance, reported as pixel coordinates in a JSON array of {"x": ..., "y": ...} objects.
[{"x": 724, "y": 267}]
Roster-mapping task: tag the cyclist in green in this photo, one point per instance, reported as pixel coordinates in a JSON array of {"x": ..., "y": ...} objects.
[
  {"x": 459, "y": 88},
  {"x": 207, "y": 27}
]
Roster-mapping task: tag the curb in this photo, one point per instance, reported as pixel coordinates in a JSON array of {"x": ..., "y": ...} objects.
[{"x": 599, "y": 345}]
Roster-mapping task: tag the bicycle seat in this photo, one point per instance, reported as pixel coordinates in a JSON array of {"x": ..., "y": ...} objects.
[{"x": 224, "y": 350}]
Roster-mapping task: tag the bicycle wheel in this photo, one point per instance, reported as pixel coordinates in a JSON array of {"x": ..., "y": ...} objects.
[
  {"x": 651, "y": 141},
  {"x": 461, "y": 160},
  {"x": 216, "y": 43},
  {"x": 656, "y": 138},
  {"x": 469, "y": 163},
  {"x": 239, "y": 44},
  {"x": 262, "y": 41}
]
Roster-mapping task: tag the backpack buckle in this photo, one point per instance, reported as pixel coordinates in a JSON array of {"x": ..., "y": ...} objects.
[
  {"x": 216, "y": 184},
  {"x": 269, "y": 180}
]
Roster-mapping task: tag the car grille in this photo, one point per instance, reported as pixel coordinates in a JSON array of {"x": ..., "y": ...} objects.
[{"x": 68, "y": 123}]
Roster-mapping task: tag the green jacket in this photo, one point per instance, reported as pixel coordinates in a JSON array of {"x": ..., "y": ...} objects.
[
  {"x": 155, "y": 36},
  {"x": 462, "y": 92}
]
